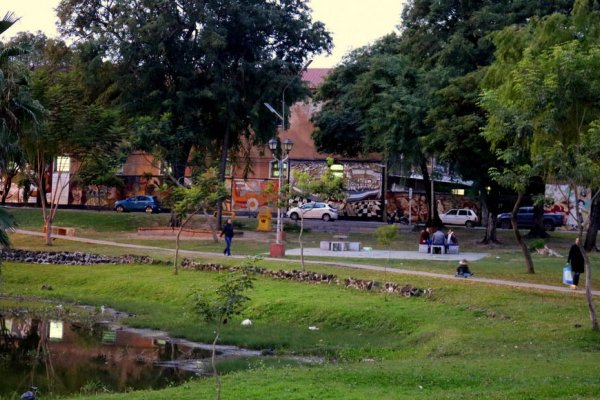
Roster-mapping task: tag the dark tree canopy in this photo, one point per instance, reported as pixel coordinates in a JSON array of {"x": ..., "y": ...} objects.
[{"x": 201, "y": 70}]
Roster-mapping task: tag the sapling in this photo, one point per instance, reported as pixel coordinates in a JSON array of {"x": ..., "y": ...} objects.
[{"x": 223, "y": 303}]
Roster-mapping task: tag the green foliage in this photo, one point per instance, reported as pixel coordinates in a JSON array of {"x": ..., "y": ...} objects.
[
  {"x": 227, "y": 300},
  {"x": 200, "y": 72},
  {"x": 290, "y": 227},
  {"x": 386, "y": 234},
  {"x": 205, "y": 194},
  {"x": 536, "y": 244},
  {"x": 370, "y": 347}
]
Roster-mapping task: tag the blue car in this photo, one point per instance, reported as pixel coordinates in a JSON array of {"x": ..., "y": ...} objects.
[{"x": 148, "y": 204}]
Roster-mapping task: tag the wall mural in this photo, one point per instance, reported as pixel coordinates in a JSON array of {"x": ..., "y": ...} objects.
[
  {"x": 564, "y": 201},
  {"x": 363, "y": 181},
  {"x": 249, "y": 195},
  {"x": 418, "y": 209}
]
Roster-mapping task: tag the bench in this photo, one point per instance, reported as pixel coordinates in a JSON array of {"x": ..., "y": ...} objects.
[
  {"x": 454, "y": 249},
  {"x": 61, "y": 231},
  {"x": 438, "y": 249},
  {"x": 340, "y": 245}
]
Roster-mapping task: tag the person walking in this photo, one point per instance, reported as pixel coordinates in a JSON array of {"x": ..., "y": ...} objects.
[
  {"x": 577, "y": 262},
  {"x": 228, "y": 233}
]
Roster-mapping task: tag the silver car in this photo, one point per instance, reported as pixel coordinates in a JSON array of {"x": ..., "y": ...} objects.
[{"x": 315, "y": 210}]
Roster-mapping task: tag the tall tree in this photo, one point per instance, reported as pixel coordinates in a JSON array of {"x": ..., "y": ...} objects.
[
  {"x": 18, "y": 109},
  {"x": 207, "y": 66},
  {"x": 80, "y": 124},
  {"x": 550, "y": 93}
]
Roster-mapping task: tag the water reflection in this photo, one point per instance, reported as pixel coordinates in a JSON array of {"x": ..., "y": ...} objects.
[{"x": 66, "y": 357}]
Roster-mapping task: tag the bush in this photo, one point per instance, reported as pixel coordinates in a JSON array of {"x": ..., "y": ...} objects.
[
  {"x": 536, "y": 244},
  {"x": 294, "y": 228}
]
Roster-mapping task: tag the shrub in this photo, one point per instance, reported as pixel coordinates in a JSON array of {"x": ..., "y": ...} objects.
[{"x": 536, "y": 244}]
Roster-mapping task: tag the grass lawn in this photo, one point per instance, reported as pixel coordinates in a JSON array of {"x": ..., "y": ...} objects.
[{"x": 467, "y": 341}]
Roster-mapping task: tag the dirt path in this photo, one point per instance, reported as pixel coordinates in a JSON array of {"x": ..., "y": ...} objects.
[{"x": 499, "y": 282}]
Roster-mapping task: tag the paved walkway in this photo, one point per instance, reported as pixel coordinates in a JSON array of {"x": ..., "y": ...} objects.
[
  {"x": 423, "y": 256},
  {"x": 385, "y": 254}
]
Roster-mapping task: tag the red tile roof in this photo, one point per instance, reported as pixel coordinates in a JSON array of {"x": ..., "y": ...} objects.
[{"x": 315, "y": 76}]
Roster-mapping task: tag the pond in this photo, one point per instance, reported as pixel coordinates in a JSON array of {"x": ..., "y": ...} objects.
[{"x": 63, "y": 357}]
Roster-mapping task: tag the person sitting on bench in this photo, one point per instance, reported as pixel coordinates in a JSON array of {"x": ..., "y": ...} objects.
[{"x": 438, "y": 239}]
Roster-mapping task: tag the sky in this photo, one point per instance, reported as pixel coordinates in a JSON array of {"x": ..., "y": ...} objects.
[{"x": 352, "y": 23}]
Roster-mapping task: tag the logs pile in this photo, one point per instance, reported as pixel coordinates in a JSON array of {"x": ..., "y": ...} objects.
[
  {"x": 313, "y": 277},
  {"x": 71, "y": 258}
]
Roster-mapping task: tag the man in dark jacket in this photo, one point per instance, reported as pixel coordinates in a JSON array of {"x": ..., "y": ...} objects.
[
  {"x": 577, "y": 262},
  {"x": 228, "y": 233}
]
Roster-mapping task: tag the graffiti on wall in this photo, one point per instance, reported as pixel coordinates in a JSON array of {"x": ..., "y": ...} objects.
[
  {"x": 418, "y": 207},
  {"x": 363, "y": 182},
  {"x": 250, "y": 195},
  {"x": 564, "y": 200}
]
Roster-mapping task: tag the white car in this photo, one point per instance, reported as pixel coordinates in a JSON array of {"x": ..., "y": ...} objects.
[
  {"x": 313, "y": 210},
  {"x": 462, "y": 216}
]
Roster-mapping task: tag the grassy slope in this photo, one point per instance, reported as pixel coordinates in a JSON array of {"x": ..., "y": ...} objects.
[{"x": 467, "y": 341}]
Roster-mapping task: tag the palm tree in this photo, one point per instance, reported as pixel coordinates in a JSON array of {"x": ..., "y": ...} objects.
[{"x": 16, "y": 104}]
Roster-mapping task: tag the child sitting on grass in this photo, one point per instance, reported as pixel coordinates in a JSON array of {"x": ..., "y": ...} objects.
[{"x": 463, "y": 269}]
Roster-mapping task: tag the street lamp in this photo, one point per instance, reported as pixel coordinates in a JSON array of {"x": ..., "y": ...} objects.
[{"x": 277, "y": 248}]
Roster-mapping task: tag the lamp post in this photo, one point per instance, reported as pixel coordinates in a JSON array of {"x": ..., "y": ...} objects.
[
  {"x": 278, "y": 248},
  {"x": 432, "y": 192}
]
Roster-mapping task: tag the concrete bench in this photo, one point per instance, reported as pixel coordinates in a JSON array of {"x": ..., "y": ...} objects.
[
  {"x": 423, "y": 248},
  {"x": 340, "y": 245},
  {"x": 438, "y": 249},
  {"x": 453, "y": 249}
]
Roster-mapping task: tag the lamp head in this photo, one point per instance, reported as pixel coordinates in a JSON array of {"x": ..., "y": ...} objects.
[
  {"x": 287, "y": 145},
  {"x": 272, "y": 144}
]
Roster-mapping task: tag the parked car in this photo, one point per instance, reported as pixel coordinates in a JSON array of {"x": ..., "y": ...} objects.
[
  {"x": 525, "y": 219},
  {"x": 462, "y": 216},
  {"x": 313, "y": 210},
  {"x": 149, "y": 204}
]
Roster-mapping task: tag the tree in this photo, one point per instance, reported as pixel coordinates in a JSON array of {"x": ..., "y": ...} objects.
[
  {"x": 80, "y": 124},
  {"x": 207, "y": 67},
  {"x": 550, "y": 92},
  {"x": 18, "y": 109},
  {"x": 227, "y": 301},
  {"x": 204, "y": 195},
  {"x": 424, "y": 89},
  {"x": 376, "y": 99},
  {"x": 327, "y": 187},
  {"x": 385, "y": 235},
  {"x": 6, "y": 222}
]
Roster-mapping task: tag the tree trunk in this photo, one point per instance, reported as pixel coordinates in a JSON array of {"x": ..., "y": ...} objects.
[
  {"x": 491, "y": 205},
  {"x": 594, "y": 219},
  {"x": 537, "y": 230},
  {"x": 213, "y": 362},
  {"x": 222, "y": 167},
  {"x": 176, "y": 261},
  {"x": 48, "y": 226},
  {"x": 588, "y": 291},
  {"x": 7, "y": 184},
  {"x": 434, "y": 218},
  {"x": 519, "y": 238},
  {"x": 300, "y": 240},
  {"x": 210, "y": 221}
]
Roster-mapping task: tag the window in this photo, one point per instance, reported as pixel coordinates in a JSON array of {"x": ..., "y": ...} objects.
[
  {"x": 275, "y": 169},
  {"x": 62, "y": 164},
  {"x": 338, "y": 170},
  {"x": 452, "y": 212},
  {"x": 463, "y": 212},
  {"x": 458, "y": 192}
]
